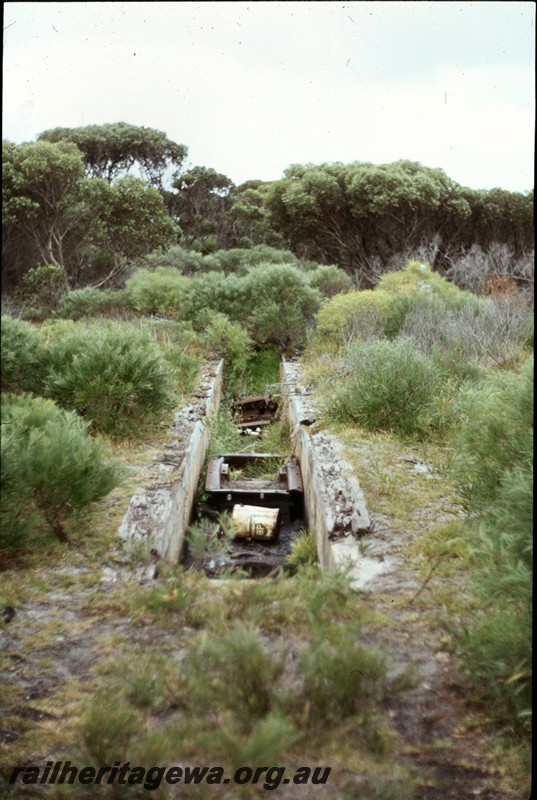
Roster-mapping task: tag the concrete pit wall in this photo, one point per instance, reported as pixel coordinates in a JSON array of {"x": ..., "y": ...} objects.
[
  {"x": 334, "y": 502},
  {"x": 159, "y": 514}
]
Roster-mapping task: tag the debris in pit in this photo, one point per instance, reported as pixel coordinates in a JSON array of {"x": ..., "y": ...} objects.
[
  {"x": 255, "y": 413},
  {"x": 258, "y": 496}
]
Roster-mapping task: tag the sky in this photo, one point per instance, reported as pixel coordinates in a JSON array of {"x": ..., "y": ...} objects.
[{"x": 253, "y": 87}]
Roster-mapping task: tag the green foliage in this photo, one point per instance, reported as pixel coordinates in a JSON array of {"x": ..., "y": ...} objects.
[
  {"x": 239, "y": 674},
  {"x": 303, "y": 551},
  {"x": 383, "y": 311},
  {"x": 228, "y": 340},
  {"x": 281, "y": 305},
  {"x": 89, "y": 302},
  {"x": 329, "y": 280},
  {"x": 19, "y": 356},
  {"x": 50, "y": 463},
  {"x": 341, "y": 676},
  {"x": 494, "y": 469},
  {"x": 160, "y": 291},
  {"x": 108, "y": 730},
  {"x": 43, "y": 286},
  {"x": 389, "y": 387},
  {"x": 111, "y": 149},
  {"x": 214, "y": 292},
  {"x": 496, "y": 435},
  {"x": 115, "y": 376},
  {"x": 360, "y": 315}
]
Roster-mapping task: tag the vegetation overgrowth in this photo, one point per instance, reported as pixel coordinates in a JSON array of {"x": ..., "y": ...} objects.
[{"x": 409, "y": 299}]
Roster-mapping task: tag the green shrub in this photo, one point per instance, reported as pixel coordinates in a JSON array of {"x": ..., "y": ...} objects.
[
  {"x": 355, "y": 315},
  {"x": 238, "y": 674},
  {"x": 228, "y": 340},
  {"x": 42, "y": 286},
  {"x": 341, "y": 676},
  {"x": 281, "y": 305},
  {"x": 389, "y": 387},
  {"x": 159, "y": 291},
  {"x": 496, "y": 435},
  {"x": 303, "y": 551},
  {"x": 88, "y": 302},
  {"x": 329, "y": 280},
  {"x": 19, "y": 356},
  {"x": 214, "y": 292},
  {"x": 382, "y": 311},
  {"x": 50, "y": 462},
  {"x": 494, "y": 470},
  {"x": 116, "y": 376}
]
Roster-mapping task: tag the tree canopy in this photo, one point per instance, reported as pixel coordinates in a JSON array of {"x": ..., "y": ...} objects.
[{"x": 113, "y": 149}]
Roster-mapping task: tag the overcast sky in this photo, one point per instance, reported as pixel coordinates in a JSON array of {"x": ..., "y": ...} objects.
[{"x": 252, "y": 87}]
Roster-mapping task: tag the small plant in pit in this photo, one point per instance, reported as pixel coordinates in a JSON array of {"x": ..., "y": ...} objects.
[{"x": 303, "y": 551}]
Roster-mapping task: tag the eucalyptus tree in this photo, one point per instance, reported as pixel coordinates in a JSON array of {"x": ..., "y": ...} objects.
[{"x": 112, "y": 150}]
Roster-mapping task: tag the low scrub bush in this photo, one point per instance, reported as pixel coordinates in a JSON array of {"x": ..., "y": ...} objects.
[
  {"x": 496, "y": 435},
  {"x": 21, "y": 368},
  {"x": 49, "y": 464},
  {"x": 88, "y": 302},
  {"x": 239, "y": 674},
  {"x": 329, "y": 280},
  {"x": 341, "y": 676},
  {"x": 214, "y": 292},
  {"x": 159, "y": 291},
  {"x": 382, "y": 311},
  {"x": 494, "y": 470},
  {"x": 115, "y": 376},
  {"x": 229, "y": 340},
  {"x": 388, "y": 386},
  {"x": 281, "y": 305},
  {"x": 303, "y": 551}
]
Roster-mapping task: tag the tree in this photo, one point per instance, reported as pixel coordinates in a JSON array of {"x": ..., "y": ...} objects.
[
  {"x": 40, "y": 188},
  {"x": 85, "y": 226},
  {"x": 114, "y": 149},
  {"x": 360, "y": 214},
  {"x": 130, "y": 221},
  {"x": 248, "y": 216},
  {"x": 199, "y": 205}
]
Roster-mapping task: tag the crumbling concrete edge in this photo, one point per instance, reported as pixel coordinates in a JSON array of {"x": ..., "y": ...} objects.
[
  {"x": 158, "y": 516},
  {"x": 334, "y": 502}
]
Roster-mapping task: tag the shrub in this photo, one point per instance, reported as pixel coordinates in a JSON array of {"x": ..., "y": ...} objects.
[
  {"x": 159, "y": 291},
  {"x": 303, "y": 551},
  {"x": 42, "y": 286},
  {"x": 354, "y": 315},
  {"x": 382, "y": 311},
  {"x": 495, "y": 437},
  {"x": 329, "y": 280},
  {"x": 230, "y": 341},
  {"x": 88, "y": 302},
  {"x": 214, "y": 292},
  {"x": 115, "y": 376},
  {"x": 50, "y": 462},
  {"x": 341, "y": 676},
  {"x": 19, "y": 356},
  {"x": 280, "y": 304},
  {"x": 389, "y": 387},
  {"x": 495, "y": 476},
  {"x": 239, "y": 674}
]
